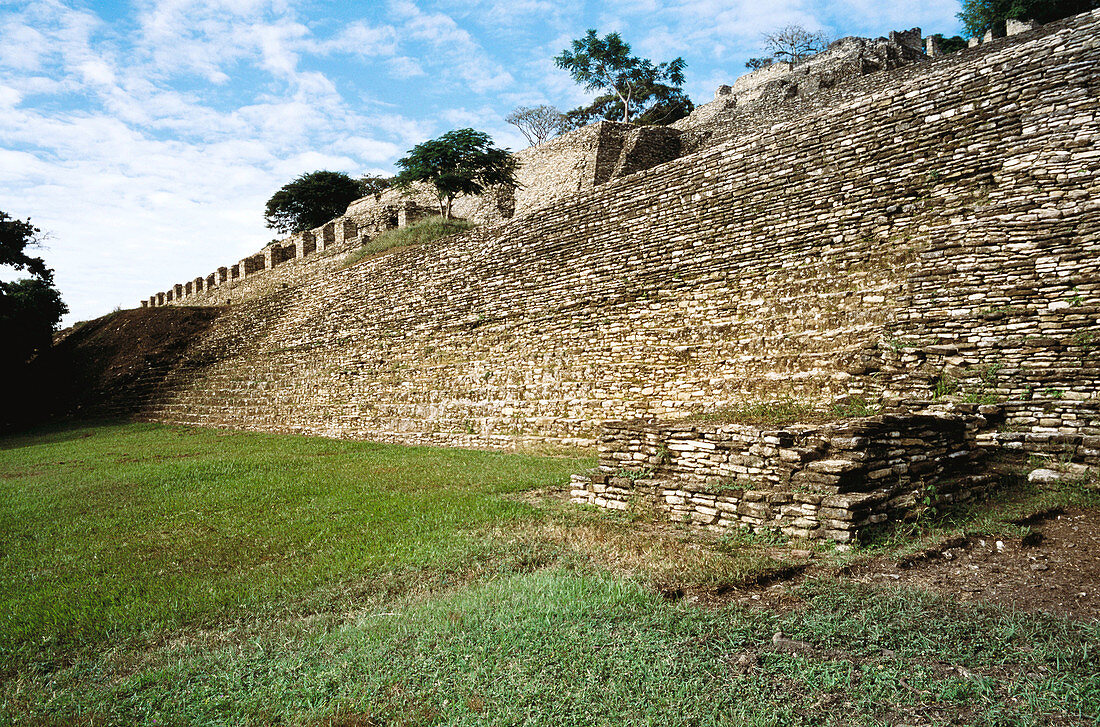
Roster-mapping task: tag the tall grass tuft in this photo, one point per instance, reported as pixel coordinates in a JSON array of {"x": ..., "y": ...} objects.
[{"x": 418, "y": 233}]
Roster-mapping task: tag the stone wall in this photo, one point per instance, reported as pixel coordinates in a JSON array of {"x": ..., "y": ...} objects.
[
  {"x": 815, "y": 482},
  {"x": 760, "y": 96},
  {"x": 861, "y": 242},
  {"x": 576, "y": 161}
]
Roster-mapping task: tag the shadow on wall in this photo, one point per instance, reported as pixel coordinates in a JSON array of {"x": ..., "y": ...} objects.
[{"x": 114, "y": 366}]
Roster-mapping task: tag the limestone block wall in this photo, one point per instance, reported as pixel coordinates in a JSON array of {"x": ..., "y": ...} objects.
[
  {"x": 793, "y": 259},
  {"x": 572, "y": 162},
  {"x": 815, "y": 482},
  {"x": 758, "y": 97}
]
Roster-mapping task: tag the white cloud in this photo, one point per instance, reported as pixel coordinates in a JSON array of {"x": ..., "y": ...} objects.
[
  {"x": 405, "y": 67},
  {"x": 368, "y": 150},
  {"x": 359, "y": 38},
  {"x": 458, "y": 54}
]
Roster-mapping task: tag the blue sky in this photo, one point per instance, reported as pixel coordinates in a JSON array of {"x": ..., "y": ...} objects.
[{"x": 144, "y": 137}]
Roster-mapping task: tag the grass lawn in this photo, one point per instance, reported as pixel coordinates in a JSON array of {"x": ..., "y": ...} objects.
[
  {"x": 106, "y": 530},
  {"x": 163, "y": 575}
]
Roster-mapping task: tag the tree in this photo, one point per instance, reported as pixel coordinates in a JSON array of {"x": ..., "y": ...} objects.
[
  {"x": 758, "y": 63},
  {"x": 372, "y": 184},
  {"x": 537, "y": 123},
  {"x": 30, "y": 308},
  {"x": 463, "y": 161},
  {"x": 15, "y": 237},
  {"x": 310, "y": 201},
  {"x": 978, "y": 16},
  {"x": 950, "y": 45},
  {"x": 794, "y": 43},
  {"x": 635, "y": 87}
]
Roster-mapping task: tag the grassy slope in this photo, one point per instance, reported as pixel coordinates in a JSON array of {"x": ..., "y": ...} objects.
[
  {"x": 333, "y": 583},
  {"x": 118, "y": 528}
]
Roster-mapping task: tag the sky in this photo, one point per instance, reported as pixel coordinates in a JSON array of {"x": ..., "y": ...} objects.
[{"x": 144, "y": 138}]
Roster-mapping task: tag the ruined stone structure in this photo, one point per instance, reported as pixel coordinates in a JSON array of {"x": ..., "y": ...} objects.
[
  {"x": 927, "y": 230},
  {"x": 577, "y": 161},
  {"x": 828, "y": 481}
]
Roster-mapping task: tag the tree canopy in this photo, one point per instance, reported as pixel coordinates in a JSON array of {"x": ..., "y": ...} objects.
[
  {"x": 15, "y": 237},
  {"x": 793, "y": 43},
  {"x": 463, "y": 161},
  {"x": 30, "y": 308},
  {"x": 635, "y": 88},
  {"x": 311, "y": 200},
  {"x": 537, "y": 123},
  {"x": 373, "y": 184},
  {"x": 978, "y": 16}
]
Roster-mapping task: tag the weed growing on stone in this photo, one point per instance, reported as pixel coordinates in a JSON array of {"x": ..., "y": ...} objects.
[
  {"x": 769, "y": 413},
  {"x": 418, "y": 233}
]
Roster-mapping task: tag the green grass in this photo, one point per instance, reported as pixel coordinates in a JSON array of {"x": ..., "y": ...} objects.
[
  {"x": 556, "y": 647},
  {"x": 179, "y": 576},
  {"x": 109, "y": 530},
  {"x": 418, "y": 233}
]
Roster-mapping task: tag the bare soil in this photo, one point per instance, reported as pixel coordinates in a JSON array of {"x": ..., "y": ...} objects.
[{"x": 1055, "y": 569}]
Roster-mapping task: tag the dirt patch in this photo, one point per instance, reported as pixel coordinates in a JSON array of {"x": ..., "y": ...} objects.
[{"x": 1055, "y": 569}]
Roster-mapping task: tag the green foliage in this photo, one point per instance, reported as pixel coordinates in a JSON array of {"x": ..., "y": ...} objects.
[
  {"x": 345, "y": 583},
  {"x": 944, "y": 385},
  {"x": 635, "y": 89},
  {"x": 30, "y": 311},
  {"x": 15, "y": 237},
  {"x": 311, "y": 200},
  {"x": 978, "y": 16},
  {"x": 463, "y": 161},
  {"x": 952, "y": 44},
  {"x": 371, "y": 184},
  {"x": 855, "y": 407},
  {"x": 418, "y": 233}
]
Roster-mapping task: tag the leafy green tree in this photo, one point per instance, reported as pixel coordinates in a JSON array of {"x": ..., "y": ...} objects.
[
  {"x": 952, "y": 44},
  {"x": 310, "y": 201},
  {"x": 635, "y": 88},
  {"x": 978, "y": 16},
  {"x": 372, "y": 184},
  {"x": 15, "y": 237},
  {"x": 30, "y": 308},
  {"x": 463, "y": 161}
]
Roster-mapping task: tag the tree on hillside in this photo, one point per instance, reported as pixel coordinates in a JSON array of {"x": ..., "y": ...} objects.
[
  {"x": 537, "y": 123},
  {"x": 794, "y": 43},
  {"x": 310, "y": 201},
  {"x": 463, "y": 161},
  {"x": 978, "y": 16},
  {"x": 635, "y": 89},
  {"x": 373, "y": 184},
  {"x": 950, "y": 45},
  {"x": 30, "y": 308}
]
